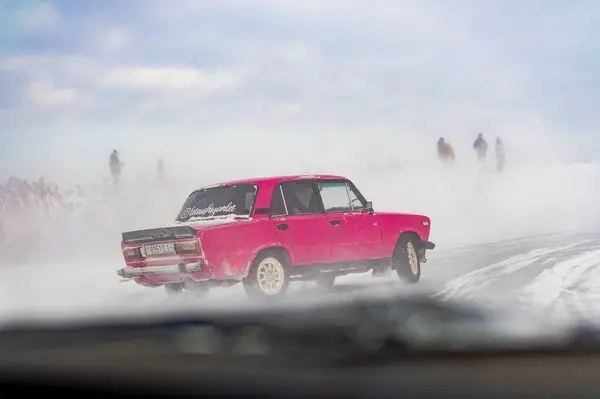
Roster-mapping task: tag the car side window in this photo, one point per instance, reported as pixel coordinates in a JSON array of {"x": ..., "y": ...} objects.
[
  {"x": 355, "y": 201},
  {"x": 335, "y": 196},
  {"x": 300, "y": 198},
  {"x": 277, "y": 205}
]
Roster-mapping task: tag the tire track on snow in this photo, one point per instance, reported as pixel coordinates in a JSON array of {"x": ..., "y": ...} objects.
[
  {"x": 564, "y": 290},
  {"x": 467, "y": 285}
]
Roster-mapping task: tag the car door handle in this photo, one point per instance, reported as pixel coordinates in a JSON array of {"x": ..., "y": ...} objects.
[
  {"x": 282, "y": 226},
  {"x": 335, "y": 222}
]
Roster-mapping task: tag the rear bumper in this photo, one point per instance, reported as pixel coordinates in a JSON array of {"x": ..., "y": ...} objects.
[{"x": 181, "y": 268}]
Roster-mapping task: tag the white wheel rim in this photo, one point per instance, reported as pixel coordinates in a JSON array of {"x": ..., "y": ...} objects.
[
  {"x": 270, "y": 276},
  {"x": 413, "y": 260}
]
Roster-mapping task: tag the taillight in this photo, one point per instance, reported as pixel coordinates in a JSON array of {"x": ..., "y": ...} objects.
[
  {"x": 187, "y": 247},
  {"x": 131, "y": 253}
]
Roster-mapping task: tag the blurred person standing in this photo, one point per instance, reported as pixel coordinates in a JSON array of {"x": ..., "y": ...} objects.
[
  {"x": 500, "y": 160},
  {"x": 160, "y": 171},
  {"x": 445, "y": 151},
  {"x": 162, "y": 178},
  {"x": 480, "y": 146},
  {"x": 115, "y": 165}
]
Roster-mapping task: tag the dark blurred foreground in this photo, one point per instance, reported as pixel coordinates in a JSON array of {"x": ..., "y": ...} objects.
[{"x": 365, "y": 347}]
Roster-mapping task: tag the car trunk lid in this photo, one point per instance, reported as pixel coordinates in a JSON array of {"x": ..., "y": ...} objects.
[{"x": 158, "y": 234}]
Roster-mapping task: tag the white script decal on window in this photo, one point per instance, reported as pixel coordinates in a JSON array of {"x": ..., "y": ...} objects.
[{"x": 210, "y": 210}]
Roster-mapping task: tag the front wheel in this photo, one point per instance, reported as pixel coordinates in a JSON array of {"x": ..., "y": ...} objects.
[
  {"x": 406, "y": 260},
  {"x": 268, "y": 277}
]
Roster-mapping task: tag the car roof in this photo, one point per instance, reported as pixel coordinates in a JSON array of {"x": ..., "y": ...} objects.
[{"x": 273, "y": 180}]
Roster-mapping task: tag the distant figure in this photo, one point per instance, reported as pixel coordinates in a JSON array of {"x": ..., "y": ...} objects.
[
  {"x": 445, "y": 150},
  {"x": 480, "y": 146},
  {"x": 160, "y": 168},
  {"x": 160, "y": 172},
  {"x": 499, "y": 154},
  {"x": 115, "y": 165}
]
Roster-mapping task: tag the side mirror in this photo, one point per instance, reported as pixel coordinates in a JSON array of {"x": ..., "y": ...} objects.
[{"x": 369, "y": 207}]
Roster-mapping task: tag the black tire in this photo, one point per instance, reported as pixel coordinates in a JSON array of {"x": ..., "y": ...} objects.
[
  {"x": 260, "y": 285},
  {"x": 406, "y": 260},
  {"x": 197, "y": 288},
  {"x": 325, "y": 281},
  {"x": 174, "y": 288},
  {"x": 382, "y": 270}
]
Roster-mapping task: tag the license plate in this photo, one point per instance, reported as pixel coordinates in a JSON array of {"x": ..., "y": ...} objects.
[{"x": 159, "y": 249}]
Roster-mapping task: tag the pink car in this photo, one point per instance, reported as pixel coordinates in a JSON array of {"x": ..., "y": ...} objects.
[{"x": 268, "y": 232}]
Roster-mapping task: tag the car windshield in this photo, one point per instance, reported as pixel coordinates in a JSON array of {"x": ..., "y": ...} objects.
[
  {"x": 236, "y": 200},
  {"x": 163, "y": 158}
]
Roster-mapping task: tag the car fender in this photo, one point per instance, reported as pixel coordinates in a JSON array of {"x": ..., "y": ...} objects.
[
  {"x": 230, "y": 249},
  {"x": 394, "y": 225},
  {"x": 276, "y": 246}
]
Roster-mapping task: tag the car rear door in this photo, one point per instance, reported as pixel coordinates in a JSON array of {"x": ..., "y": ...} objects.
[
  {"x": 301, "y": 225},
  {"x": 355, "y": 234}
]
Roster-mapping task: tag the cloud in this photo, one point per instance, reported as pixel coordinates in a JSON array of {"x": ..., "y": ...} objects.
[
  {"x": 44, "y": 93},
  {"x": 131, "y": 78},
  {"x": 113, "y": 39},
  {"x": 38, "y": 17},
  {"x": 405, "y": 71}
]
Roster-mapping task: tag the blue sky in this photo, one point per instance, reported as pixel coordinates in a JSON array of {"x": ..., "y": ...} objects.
[{"x": 149, "y": 75}]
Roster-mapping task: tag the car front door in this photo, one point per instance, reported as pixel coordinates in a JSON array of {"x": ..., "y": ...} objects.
[
  {"x": 301, "y": 225},
  {"x": 355, "y": 234}
]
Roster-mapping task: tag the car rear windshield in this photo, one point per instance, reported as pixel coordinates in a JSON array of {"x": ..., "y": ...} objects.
[{"x": 219, "y": 201}]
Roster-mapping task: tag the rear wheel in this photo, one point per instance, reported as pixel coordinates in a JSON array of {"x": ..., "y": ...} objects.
[
  {"x": 197, "y": 288},
  {"x": 174, "y": 288},
  {"x": 406, "y": 260},
  {"x": 268, "y": 277}
]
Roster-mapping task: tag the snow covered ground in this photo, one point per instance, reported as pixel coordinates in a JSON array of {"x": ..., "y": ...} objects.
[
  {"x": 527, "y": 239},
  {"x": 555, "y": 275}
]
